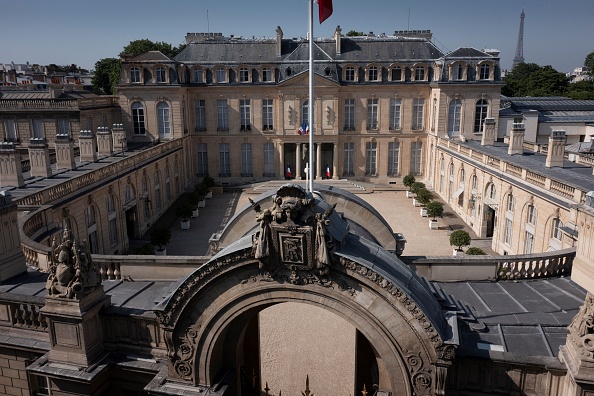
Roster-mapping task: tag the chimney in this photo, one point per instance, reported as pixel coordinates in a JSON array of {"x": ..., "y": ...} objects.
[
  {"x": 337, "y": 35},
  {"x": 279, "y": 41},
  {"x": 556, "y": 150},
  {"x": 516, "y": 139},
  {"x": 489, "y": 132}
]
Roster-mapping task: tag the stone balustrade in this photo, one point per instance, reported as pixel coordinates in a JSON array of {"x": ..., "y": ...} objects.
[
  {"x": 557, "y": 187},
  {"x": 134, "y": 267},
  {"x": 476, "y": 268},
  {"x": 104, "y": 101},
  {"x": 23, "y": 312}
]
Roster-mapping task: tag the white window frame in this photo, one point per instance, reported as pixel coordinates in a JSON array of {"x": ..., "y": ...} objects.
[
  {"x": 246, "y": 160},
  {"x": 454, "y": 118},
  {"x": 161, "y": 74},
  {"x": 395, "y": 112},
  {"x": 245, "y": 123},
  {"x": 164, "y": 120},
  {"x": 222, "y": 115},
  {"x": 371, "y": 159},
  {"x": 268, "y": 114},
  {"x": 138, "y": 118},
  {"x": 200, "y": 115},
  {"x": 134, "y": 75},
  {"x": 393, "y": 158},
  {"x": 349, "y": 114},
  {"x": 372, "y": 114},
  {"x": 418, "y": 110}
]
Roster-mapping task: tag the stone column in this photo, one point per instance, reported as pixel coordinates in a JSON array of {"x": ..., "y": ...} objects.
[
  {"x": 12, "y": 259},
  {"x": 281, "y": 157},
  {"x": 104, "y": 141},
  {"x": 11, "y": 170},
  {"x": 88, "y": 146},
  {"x": 39, "y": 157},
  {"x": 335, "y": 161},
  {"x": 298, "y": 161},
  {"x": 319, "y": 164},
  {"x": 556, "y": 150},
  {"x": 120, "y": 142},
  {"x": 516, "y": 139},
  {"x": 64, "y": 152},
  {"x": 489, "y": 132}
]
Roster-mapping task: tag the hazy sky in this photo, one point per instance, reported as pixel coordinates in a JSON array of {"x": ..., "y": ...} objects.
[{"x": 557, "y": 33}]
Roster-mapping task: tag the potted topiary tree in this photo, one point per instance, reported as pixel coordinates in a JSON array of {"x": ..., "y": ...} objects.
[
  {"x": 202, "y": 191},
  {"x": 193, "y": 200},
  {"x": 475, "y": 251},
  {"x": 185, "y": 212},
  {"x": 408, "y": 180},
  {"x": 415, "y": 188},
  {"x": 209, "y": 183},
  {"x": 424, "y": 196},
  {"x": 459, "y": 238},
  {"x": 434, "y": 209},
  {"x": 160, "y": 237}
]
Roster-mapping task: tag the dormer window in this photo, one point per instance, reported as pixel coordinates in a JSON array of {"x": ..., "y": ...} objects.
[
  {"x": 420, "y": 73},
  {"x": 134, "y": 75},
  {"x": 198, "y": 76},
  {"x": 373, "y": 73},
  {"x": 244, "y": 75},
  {"x": 458, "y": 71},
  {"x": 266, "y": 74},
  {"x": 485, "y": 72},
  {"x": 349, "y": 74},
  {"x": 161, "y": 75},
  {"x": 396, "y": 74},
  {"x": 221, "y": 75}
]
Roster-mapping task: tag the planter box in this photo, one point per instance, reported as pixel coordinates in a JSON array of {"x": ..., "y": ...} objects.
[
  {"x": 409, "y": 194},
  {"x": 416, "y": 203},
  {"x": 195, "y": 213},
  {"x": 458, "y": 252},
  {"x": 202, "y": 203},
  {"x": 433, "y": 224},
  {"x": 423, "y": 212},
  {"x": 185, "y": 225},
  {"x": 161, "y": 252}
]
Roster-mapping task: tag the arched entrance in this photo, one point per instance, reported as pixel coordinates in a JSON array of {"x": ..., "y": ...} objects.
[{"x": 302, "y": 254}]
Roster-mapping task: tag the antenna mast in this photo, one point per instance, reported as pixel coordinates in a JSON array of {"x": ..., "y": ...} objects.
[{"x": 519, "y": 58}]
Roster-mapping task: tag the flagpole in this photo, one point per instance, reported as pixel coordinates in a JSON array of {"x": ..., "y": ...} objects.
[{"x": 310, "y": 112}]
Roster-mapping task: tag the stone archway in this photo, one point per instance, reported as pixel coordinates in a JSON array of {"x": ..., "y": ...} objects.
[{"x": 204, "y": 318}]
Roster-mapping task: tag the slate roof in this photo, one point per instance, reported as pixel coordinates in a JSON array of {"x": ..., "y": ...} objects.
[
  {"x": 150, "y": 56},
  {"x": 467, "y": 52}
]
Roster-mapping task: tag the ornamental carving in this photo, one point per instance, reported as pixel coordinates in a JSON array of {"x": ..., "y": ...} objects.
[
  {"x": 420, "y": 376},
  {"x": 72, "y": 274},
  {"x": 581, "y": 329}
]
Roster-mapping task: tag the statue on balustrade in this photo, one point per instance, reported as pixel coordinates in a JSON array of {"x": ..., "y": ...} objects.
[{"x": 72, "y": 274}]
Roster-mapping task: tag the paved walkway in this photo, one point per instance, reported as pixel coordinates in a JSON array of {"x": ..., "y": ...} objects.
[{"x": 389, "y": 201}]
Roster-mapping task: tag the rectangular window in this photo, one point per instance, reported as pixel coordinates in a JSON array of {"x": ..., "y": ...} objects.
[
  {"x": 349, "y": 159},
  {"x": 93, "y": 245},
  {"x": 393, "y": 157},
  {"x": 268, "y": 160},
  {"x": 485, "y": 72},
  {"x": 266, "y": 74},
  {"x": 349, "y": 114},
  {"x": 38, "y": 128},
  {"x": 372, "y": 107},
  {"x": 246, "y": 160},
  {"x": 508, "y": 232},
  {"x": 138, "y": 118},
  {"x": 417, "y": 121},
  {"x": 202, "y": 160},
  {"x": 64, "y": 126},
  {"x": 104, "y": 121},
  {"x": 371, "y": 159},
  {"x": 222, "y": 115},
  {"x": 198, "y": 76},
  {"x": 134, "y": 75},
  {"x": 113, "y": 232},
  {"x": 529, "y": 243},
  {"x": 510, "y": 203},
  {"x": 11, "y": 135},
  {"x": 200, "y": 114},
  {"x": 161, "y": 78},
  {"x": 416, "y": 154},
  {"x": 244, "y": 115},
  {"x": 244, "y": 75},
  {"x": 224, "y": 160},
  {"x": 163, "y": 120},
  {"x": 395, "y": 105},
  {"x": 420, "y": 73},
  {"x": 267, "y": 115},
  {"x": 349, "y": 74},
  {"x": 221, "y": 75},
  {"x": 373, "y": 74},
  {"x": 531, "y": 214}
]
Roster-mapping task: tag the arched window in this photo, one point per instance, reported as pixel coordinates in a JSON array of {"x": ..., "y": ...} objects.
[
  {"x": 92, "y": 229},
  {"x": 420, "y": 73},
  {"x": 510, "y": 203},
  {"x": 531, "y": 215},
  {"x": 198, "y": 76},
  {"x": 163, "y": 120},
  {"x": 244, "y": 74},
  {"x": 396, "y": 74},
  {"x": 557, "y": 225},
  {"x": 134, "y": 75},
  {"x": 454, "y": 116},
  {"x": 458, "y": 71},
  {"x": 480, "y": 113},
  {"x": 138, "y": 118},
  {"x": 373, "y": 74},
  {"x": 161, "y": 75},
  {"x": 485, "y": 72},
  {"x": 349, "y": 74}
]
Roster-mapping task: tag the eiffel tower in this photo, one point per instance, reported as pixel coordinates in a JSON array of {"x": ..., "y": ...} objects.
[{"x": 519, "y": 58}]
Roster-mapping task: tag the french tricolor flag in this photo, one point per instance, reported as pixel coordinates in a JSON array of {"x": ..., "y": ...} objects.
[
  {"x": 325, "y": 9},
  {"x": 303, "y": 129}
]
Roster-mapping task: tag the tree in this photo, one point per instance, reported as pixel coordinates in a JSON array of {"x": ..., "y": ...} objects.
[
  {"x": 354, "y": 33},
  {"x": 530, "y": 79},
  {"x": 193, "y": 199},
  {"x": 160, "y": 237},
  {"x": 184, "y": 211},
  {"x": 107, "y": 76},
  {"x": 416, "y": 187},
  {"x": 475, "y": 251},
  {"x": 434, "y": 209},
  {"x": 581, "y": 90},
  {"x": 408, "y": 180},
  {"x": 459, "y": 238},
  {"x": 138, "y": 47},
  {"x": 424, "y": 196},
  {"x": 589, "y": 62}
]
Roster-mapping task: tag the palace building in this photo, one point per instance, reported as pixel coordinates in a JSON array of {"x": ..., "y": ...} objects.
[{"x": 82, "y": 175}]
